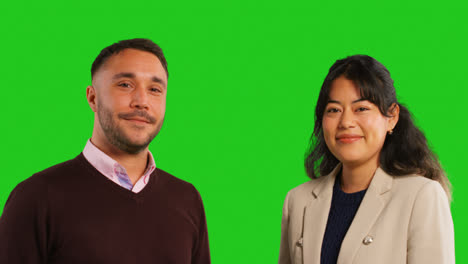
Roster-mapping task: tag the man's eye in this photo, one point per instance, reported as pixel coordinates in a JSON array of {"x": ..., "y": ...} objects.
[
  {"x": 332, "y": 110},
  {"x": 155, "y": 90},
  {"x": 126, "y": 85}
]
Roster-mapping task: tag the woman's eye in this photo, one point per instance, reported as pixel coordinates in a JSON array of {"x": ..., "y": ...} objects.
[
  {"x": 332, "y": 110},
  {"x": 362, "y": 109}
]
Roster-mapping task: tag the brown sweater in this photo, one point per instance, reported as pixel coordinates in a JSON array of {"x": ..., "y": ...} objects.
[{"x": 70, "y": 213}]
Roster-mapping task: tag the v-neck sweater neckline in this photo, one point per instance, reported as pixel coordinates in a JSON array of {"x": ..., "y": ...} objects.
[{"x": 102, "y": 181}]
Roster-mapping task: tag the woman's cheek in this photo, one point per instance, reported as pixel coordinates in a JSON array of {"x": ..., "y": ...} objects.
[
  {"x": 327, "y": 131},
  {"x": 374, "y": 129}
]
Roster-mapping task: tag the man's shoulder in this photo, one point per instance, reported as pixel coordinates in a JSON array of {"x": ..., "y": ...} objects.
[
  {"x": 172, "y": 180},
  {"x": 66, "y": 166},
  {"x": 37, "y": 187},
  {"x": 175, "y": 186},
  {"x": 51, "y": 175}
]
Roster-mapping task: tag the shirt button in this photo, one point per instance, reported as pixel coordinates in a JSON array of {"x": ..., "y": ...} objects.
[{"x": 367, "y": 240}]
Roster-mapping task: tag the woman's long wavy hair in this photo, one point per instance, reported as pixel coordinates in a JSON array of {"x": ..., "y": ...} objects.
[{"x": 406, "y": 151}]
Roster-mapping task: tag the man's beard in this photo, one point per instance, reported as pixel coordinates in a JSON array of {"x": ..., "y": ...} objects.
[{"x": 116, "y": 136}]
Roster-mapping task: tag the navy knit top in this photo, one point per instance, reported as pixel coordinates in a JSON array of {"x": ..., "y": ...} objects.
[{"x": 342, "y": 211}]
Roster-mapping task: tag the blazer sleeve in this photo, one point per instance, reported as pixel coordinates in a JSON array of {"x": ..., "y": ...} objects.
[
  {"x": 430, "y": 234},
  {"x": 284, "y": 255}
]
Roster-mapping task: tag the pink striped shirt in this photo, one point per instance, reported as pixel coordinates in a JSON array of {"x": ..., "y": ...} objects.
[{"x": 114, "y": 171}]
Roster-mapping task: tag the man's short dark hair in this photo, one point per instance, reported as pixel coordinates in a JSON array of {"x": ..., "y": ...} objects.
[{"x": 137, "y": 43}]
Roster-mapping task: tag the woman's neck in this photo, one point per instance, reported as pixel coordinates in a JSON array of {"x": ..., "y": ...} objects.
[{"x": 355, "y": 178}]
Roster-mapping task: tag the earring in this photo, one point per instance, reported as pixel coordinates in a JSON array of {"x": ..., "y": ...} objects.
[{"x": 390, "y": 132}]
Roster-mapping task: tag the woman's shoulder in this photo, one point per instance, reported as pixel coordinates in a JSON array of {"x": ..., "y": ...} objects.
[
  {"x": 414, "y": 182},
  {"x": 306, "y": 189},
  {"x": 417, "y": 187}
]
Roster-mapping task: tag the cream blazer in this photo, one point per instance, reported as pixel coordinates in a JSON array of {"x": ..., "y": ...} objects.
[{"x": 403, "y": 219}]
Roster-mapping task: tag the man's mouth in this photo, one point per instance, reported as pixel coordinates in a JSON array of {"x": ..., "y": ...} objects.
[{"x": 138, "y": 116}]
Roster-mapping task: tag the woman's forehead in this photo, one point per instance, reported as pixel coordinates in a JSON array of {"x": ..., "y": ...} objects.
[{"x": 343, "y": 89}]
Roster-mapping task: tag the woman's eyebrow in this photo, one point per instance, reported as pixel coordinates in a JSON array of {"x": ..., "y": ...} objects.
[
  {"x": 333, "y": 101},
  {"x": 353, "y": 102},
  {"x": 358, "y": 100}
]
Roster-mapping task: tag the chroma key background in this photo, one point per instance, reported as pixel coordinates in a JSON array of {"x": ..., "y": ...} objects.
[{"x": 244, "y": 79}]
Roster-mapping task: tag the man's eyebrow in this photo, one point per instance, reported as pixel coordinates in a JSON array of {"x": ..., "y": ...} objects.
[
  {"x": 123, "y": 75},
  {"x": 158, "y": 80},
  {"x": 132, "y": 76}
]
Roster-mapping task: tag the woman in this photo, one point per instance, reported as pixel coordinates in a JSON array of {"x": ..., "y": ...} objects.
[{"x": 378, "y": 194}]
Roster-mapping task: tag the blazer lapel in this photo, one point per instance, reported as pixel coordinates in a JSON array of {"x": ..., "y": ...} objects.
[
  {"x": 316, "y": 216},
  {"x": 368, "y": 212}
]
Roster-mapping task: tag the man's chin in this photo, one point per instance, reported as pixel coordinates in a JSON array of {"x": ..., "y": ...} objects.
[
  {"x": 134, "y": 142},
  {"x": 134, "y": 148},
  {"x": 131, "y": 145}
]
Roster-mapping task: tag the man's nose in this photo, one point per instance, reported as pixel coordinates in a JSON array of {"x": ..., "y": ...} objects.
[{"x": 140, "y": 98}]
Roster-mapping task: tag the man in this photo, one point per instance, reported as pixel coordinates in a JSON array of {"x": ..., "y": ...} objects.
[{"x": 110, "y": 204}]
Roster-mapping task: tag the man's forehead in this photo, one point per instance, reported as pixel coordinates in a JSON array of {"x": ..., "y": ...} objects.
[
  {"x": 134, "y": 57},
  {"x": 137, "y": 62}
]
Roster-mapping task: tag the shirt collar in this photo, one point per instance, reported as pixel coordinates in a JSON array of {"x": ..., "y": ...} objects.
[{"x": 108, "y": 166}]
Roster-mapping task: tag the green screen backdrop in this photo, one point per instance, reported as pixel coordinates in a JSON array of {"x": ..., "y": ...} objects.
[{"x": 244, "y": 79}]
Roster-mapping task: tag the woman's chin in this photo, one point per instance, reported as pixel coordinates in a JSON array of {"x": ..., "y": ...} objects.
[{"x": 352, "y": 161}]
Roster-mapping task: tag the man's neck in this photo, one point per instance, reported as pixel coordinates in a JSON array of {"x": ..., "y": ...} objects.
[{"x": 134, "y": 164}]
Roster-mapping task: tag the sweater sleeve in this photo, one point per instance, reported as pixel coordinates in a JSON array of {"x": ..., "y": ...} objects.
[
  {"x": 23, "y": 225},
  {"x": 201, "y": 253},
  {"x": 430, "y": 234}
]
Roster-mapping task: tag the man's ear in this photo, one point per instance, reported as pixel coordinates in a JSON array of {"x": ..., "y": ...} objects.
[
  {"x": 394, "y": 113},
  {"x": 91, "y": 97}
]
